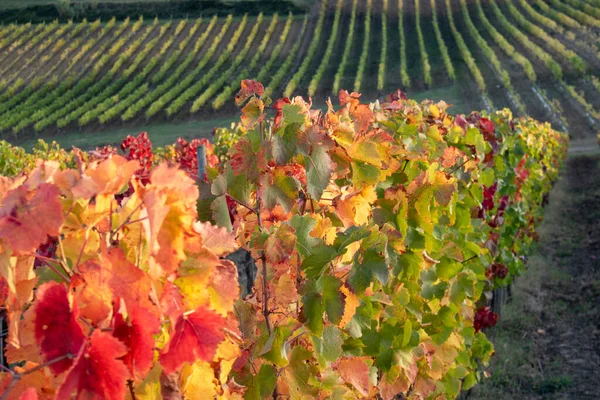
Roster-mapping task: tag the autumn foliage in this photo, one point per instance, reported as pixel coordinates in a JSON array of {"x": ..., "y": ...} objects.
[{"x": 377, "y": 231}]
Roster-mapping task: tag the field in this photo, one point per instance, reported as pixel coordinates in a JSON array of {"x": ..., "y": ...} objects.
[{"x": 87, "y": 77}]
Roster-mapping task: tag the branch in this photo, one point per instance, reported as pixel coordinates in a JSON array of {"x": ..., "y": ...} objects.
[
  {"x": 17, "y": 376},
  {"x": 41, "y": 366},
  {"x": 56, "y": 271},
  {"x": 81, "y": 252},
  {"x": 127, "y": 220},
  {"x": 131, "y": 389},
  {"x": 469, "y": 259},
  {"x": 466, "y": 161},
  {"x": 242, "y": 203}
]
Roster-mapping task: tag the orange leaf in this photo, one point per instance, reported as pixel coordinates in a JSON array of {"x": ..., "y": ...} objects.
[
  {"x": 98, "y": 284},
  {"x": 217, "y": 239},
  {"x": 20, "y": 207},
  {"x": 355, "y": 371},
  {"x": 107, "y": 177}
]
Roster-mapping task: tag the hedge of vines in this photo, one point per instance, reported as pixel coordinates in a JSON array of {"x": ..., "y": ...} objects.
[{"x": 377, "y": 231}]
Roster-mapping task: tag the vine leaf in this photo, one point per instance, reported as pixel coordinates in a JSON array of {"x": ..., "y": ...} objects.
[
  {"x": 97, "y": 371},
  {"x": 56, "y": 327},
  {"x": 279, "y": 188},
  {"x": 280, "y": 245},
  {"x": 216, "y": 238},
  {"x": 252, "y": 113},
  {"x": 138, "y": 335},
  {"x": 106, "y": 178},
  {"x": 355, "y": 371},
  {"x": 249, "y": 88},
  {"x": 20, "y": 207},
  {"x": 196, "y": 336},
  {"x": 318, "y": 172}
]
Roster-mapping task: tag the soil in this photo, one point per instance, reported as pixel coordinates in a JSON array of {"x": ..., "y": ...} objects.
[{"x": 548, "y": 341}]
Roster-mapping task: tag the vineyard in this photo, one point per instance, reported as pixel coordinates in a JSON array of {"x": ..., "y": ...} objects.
[
  {"x": 350, "y": 229},
  {"x": 366, "y": 240},
  {"x": 537, "y": 58}
]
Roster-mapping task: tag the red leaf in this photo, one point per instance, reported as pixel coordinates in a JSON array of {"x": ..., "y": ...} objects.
[
  {"x": 29, "y": 394},
  {"x": 171, "y": 302},
  {"x": 249, "y": 88},
  {"x": 196, "y": 336},
  {"x": 98, "y": 373},
  {"x": 138, "y": 336},
  {"x": 487, "y": 128},
  {"x": 56, "y": 327},
  {"x": 3, "y": 291},
  {"x": 278, "y": 105},
  {"x": 22, "y": 206}
]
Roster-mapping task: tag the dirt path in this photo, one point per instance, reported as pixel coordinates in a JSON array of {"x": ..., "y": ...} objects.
[{"x": 548, "y": 342}]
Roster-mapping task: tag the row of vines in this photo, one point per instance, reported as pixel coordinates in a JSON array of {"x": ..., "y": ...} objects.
[{"x": 372, "y": 236}]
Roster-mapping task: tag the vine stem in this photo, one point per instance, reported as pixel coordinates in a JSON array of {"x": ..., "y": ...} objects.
[
  {"x": 56, "y": 270},
  {"x": 131, "y": 389},
  {"x": 126, "y": 221},
  {"x": 17, "y": 376},
  {"x": 241, "y": 203},
  {"x": 466, "y": 161}
]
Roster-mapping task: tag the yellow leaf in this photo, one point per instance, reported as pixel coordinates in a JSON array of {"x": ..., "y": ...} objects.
[
  {"x": 149, "y": 389},
  {"x": 227, "y": 353},
  {"x": 324, "y": 230},
  {"x": 198, "y": 381},
  {"x": 350, "y": 306}
]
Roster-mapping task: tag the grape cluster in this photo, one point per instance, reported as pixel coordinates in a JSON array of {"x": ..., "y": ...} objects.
[
  {"x": 497, "y": 270},
  {"x": 484, "y": 318}
]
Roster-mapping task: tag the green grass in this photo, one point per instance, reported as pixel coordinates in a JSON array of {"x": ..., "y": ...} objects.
[{"x": 160, "y": 134}]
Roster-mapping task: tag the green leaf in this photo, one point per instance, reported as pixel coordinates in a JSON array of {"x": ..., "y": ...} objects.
[
  {"x": 239, "y": 187},
  {"x": 318, "y": 171},
  {"x": 285, "y": 143},
  {"x": 332, "y": 297},
  {"x": 364, "y": 174},
  {"x": 283, "y": 190},
  {"x": 263, "y": 384},
  {"x": 313, "y": 309},
  {"x": 220, "y": 213},
  {"x": 487, "y": 177},
  {"x": 292, "y": 114},
  {"x": 304, "y": 224},
  {"x": 219, "y": 186},
  {"x": 373, "y": 266},
  {"x": 406, "y": 333},
  {"x": 274, "y": 350},
  {"x": 330, "y": 345},
  {"x": 447, "y": 268},
  {"x": 319, "y": 257},
  {"x": 351, "y": 235}
]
